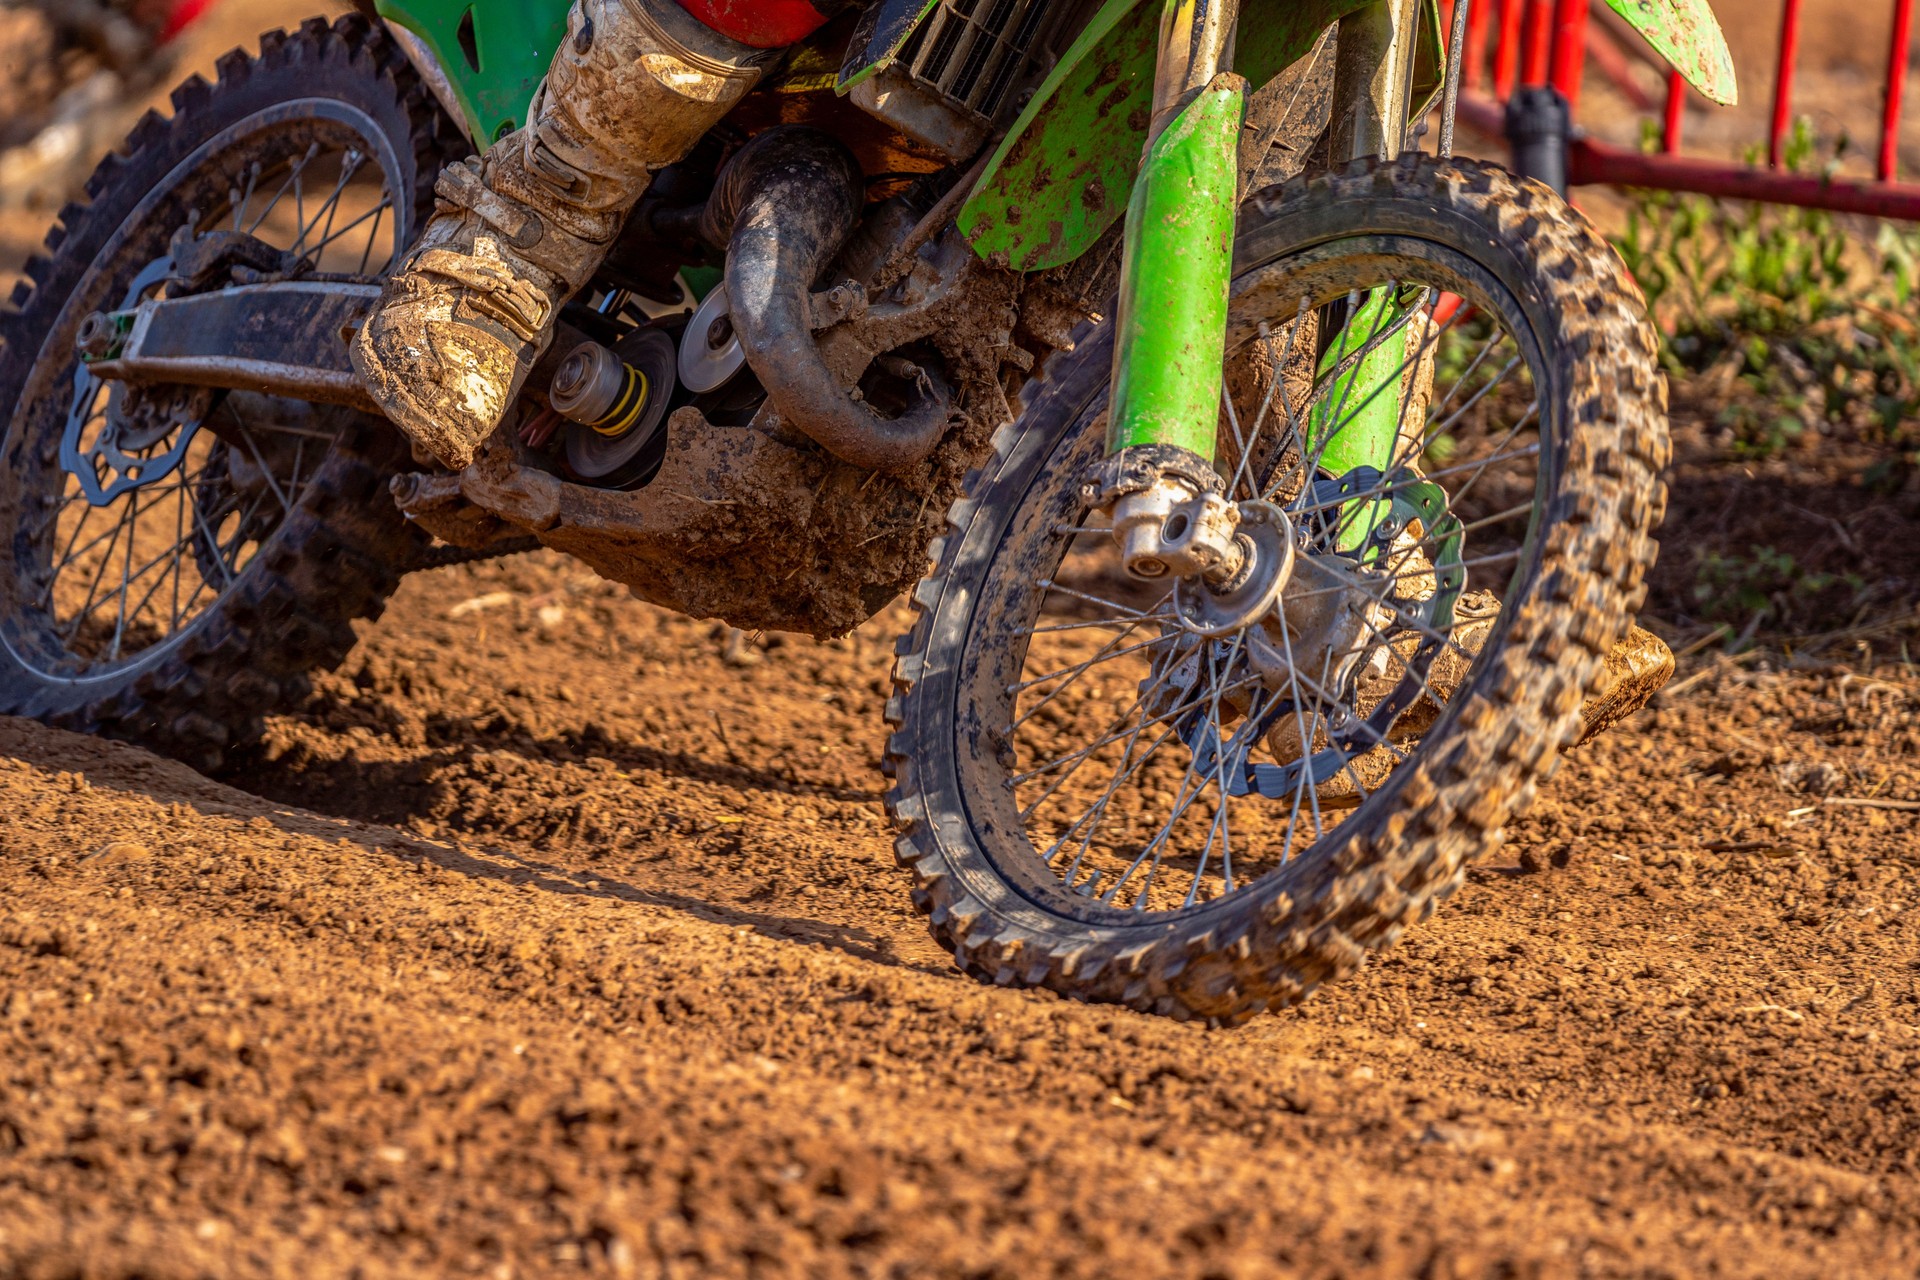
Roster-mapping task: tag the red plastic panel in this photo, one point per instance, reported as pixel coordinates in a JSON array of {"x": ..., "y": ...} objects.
[{"x": 764, "y": 24}]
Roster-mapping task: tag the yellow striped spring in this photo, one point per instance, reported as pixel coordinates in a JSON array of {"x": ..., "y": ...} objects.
[{"x": 627, "y": 406}]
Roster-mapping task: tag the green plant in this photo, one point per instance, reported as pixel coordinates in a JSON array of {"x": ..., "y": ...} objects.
[
  {"x": 1796, "y": 326},
  {"x": 1763, "y": 583}
]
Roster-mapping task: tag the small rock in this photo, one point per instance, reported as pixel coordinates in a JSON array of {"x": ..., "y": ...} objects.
[
  {"x": 1461, "y": 1137},
  {"x": 120, "y": 851},
  {"x": 1812, "y": 778},
  {"x": 550, "y": 616},
  {"x": 480, "y": 604}
]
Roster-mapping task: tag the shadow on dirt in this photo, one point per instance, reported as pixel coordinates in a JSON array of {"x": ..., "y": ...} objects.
[
  {"x": 396, "y": 793},
  {"x": 487, "y": 862},
  {"x": 391, "y": 791}
]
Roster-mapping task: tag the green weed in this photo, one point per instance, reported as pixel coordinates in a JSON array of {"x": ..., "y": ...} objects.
[
  {"x": 1764, "y": 583},
  {"x": 1796, "y": 327}
]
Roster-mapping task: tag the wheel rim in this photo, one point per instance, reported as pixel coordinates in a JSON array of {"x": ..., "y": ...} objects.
[
  {"x": 1148, "y": 770},
  {"x": 140, "y": 512}
]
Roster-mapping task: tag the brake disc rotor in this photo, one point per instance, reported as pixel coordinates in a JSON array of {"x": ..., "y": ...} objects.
[
  {"x": 710, "y": 351},
  {"x": 134, "y": 420}
]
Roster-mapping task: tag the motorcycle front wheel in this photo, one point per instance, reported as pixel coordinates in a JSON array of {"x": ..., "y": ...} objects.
[{"x": 1094, "y": 797}]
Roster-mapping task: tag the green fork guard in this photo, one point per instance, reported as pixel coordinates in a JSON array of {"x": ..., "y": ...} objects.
[{"x": 1167, "y": 372}]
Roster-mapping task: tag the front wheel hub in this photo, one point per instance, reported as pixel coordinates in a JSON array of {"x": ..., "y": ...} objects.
[{"x": 1264, "y": 540}]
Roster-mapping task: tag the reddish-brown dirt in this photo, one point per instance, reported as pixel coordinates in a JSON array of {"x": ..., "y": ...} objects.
[
  {"x": 559, "y": 934},
  {"x": 562, "y": 933}
]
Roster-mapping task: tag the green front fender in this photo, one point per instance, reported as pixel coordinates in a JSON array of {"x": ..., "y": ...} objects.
[
  {"x": 1065, "y": 171},
  {"x": 1688, "y": 36}
]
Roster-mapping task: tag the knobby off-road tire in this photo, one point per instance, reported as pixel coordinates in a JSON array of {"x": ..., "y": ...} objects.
[
  {"x": 340, "y": 549},
  {"x": 1268, "y": 943}
]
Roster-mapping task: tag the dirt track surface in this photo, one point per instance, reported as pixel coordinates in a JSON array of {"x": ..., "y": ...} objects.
[
  {"x": 564, "y": 940},
  {"x": 563, "y": 935}
]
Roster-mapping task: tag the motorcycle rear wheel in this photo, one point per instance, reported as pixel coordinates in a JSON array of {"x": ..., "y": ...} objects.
[
  {"x": 210, "y": 571},
  {"x": 992, "y": 715}
]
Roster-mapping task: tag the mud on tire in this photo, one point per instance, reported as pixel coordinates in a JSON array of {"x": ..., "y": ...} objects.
[
  {"x": 991, "y": 899},
  {"x": 340, "y": 550}
]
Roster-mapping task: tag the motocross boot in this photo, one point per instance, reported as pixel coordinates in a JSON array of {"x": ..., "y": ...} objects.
[{"x": 517, "y": 232}]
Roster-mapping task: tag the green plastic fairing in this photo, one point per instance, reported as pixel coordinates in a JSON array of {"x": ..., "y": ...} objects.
[
  {"x": 1687, "y": 35},
  {"x": 1065, "y": 171},
  {"x": 493, "y": 52}
]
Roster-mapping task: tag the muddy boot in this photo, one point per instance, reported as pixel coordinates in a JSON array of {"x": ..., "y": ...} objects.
[
  {"x": 517, "y": 232},
  {"x": 1636, "y": 668}
]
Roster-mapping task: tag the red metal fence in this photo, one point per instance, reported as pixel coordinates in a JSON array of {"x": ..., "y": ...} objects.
[{"x": 1513, "y": 44}]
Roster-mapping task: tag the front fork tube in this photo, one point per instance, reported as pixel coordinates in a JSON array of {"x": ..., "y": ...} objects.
[
  {"x": 1356, "y": 420},
  {"x": 1171, "y": 323},
  {"x": 1168, "y": 512}
]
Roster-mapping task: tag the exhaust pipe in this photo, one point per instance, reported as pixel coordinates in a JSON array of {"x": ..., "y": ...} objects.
[{"x": 784, "y": 206}]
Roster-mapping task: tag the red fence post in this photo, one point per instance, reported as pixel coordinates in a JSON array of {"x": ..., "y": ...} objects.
[
  {"x": 1783, "y": 81},
  {"x": 1676, "y": 112},
  {"x": 1896, "y": 89},
  {"x": 1474, "y": 76},
  {"x": 1538, "y": 45},
  {"x": 1506, "y": 56},
  {"x": 1569, "y": 56}
]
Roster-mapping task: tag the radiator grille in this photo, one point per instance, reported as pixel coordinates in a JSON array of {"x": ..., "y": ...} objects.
[{"x": 973, "y": 52}]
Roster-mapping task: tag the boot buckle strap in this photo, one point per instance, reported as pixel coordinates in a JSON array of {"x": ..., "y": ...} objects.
[
  {"x": 460, "y": 184},
  {"x": 492, "y": 290}
]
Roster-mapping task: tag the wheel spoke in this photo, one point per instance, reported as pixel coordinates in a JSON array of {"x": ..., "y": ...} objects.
[
  {"x": 349, "y": 164},
  {"x": 292, "y": 179},
  {"x": 99, "y": 574},
  {"x": 1107, "y": 653},
  {"x": 373, "y": 233}
]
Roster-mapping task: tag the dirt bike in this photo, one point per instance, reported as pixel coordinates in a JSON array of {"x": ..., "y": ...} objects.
[{"x": 1283, "y": 487}]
